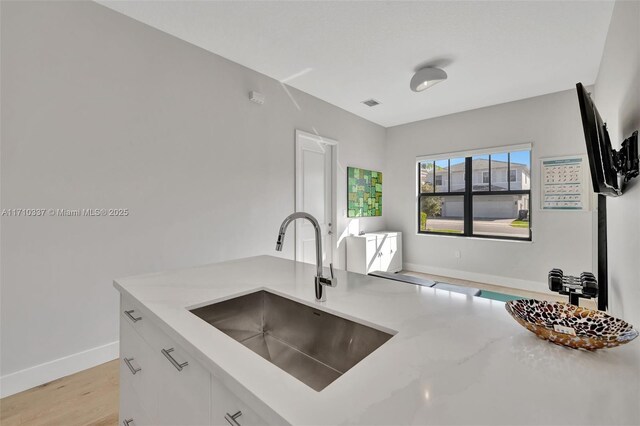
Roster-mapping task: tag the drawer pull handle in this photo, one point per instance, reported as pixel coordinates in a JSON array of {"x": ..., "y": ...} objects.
[
  {"x": 231, "y": 418},
  {"x": 176, "y": 364},
  {"x": 127, "y": 422},
  {"x": 131, "y": 367},
  {"x": 131, "y": 317}
]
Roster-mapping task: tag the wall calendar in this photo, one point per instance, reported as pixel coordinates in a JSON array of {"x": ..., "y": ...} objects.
[{"x": 563, "y": 183}]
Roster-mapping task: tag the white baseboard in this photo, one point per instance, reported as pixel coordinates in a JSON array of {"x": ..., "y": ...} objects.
[
  {"x": 52, "y": 370},
  {"x": 507, "y": 282}
]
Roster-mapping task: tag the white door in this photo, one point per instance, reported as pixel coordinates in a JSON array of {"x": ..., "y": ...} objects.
[{"x": 315, "y": 167}]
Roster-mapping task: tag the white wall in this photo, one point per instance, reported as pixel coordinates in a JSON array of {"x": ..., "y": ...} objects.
[
  {"x": 617, "y": 97},
  {"x": 560, "y": 239},
  {"x": 100, "y": 111}
]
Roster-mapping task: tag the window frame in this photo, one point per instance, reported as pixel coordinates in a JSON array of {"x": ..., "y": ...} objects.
[{"x": 469, "y": 193}]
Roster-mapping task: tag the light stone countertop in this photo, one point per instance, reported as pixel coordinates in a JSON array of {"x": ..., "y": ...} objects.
[{"x": 454, "y": 360}]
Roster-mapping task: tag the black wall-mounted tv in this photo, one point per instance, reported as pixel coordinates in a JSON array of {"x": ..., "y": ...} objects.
[
  {"x": 610, "y": 172},
  {"x": 602, "y": 163},
  {"x": 610, "y": 169}
]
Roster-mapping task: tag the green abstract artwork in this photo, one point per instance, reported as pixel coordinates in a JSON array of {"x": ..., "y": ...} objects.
[{"x": 364, "y": 193}]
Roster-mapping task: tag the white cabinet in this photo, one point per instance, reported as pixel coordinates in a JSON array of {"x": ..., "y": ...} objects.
[
  {"x": 377, "y": 251},
  {"x": 227, "y": 409},
  {"x": 183, "y": 397},
  {"x": 138, "y": 382},
  {"x": 158, "y": 389},
  {"x": 161, "y": 384},
  {"x": 131, "y": 414}
]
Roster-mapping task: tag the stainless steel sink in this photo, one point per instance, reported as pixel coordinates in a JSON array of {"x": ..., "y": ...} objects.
[{"x": 312, "y": 345}]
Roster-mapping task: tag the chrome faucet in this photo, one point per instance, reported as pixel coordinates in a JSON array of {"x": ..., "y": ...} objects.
[{"x": 320, "y": 281}]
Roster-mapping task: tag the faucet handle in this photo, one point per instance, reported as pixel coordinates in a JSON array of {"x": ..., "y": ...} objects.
[{"x": 329, "y": 282}]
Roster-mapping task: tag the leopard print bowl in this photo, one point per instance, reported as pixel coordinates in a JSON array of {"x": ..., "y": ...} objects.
[{"x": 570, "y": 325}]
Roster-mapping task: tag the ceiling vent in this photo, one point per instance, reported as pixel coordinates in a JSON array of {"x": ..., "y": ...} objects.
[{"x": 371, "y": 102}]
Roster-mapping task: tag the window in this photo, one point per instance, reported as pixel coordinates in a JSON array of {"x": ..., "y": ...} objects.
[
  {"x": 441, "y": 168},
  {"x": 485, "y": 195},
  {"x": 499, "y": 171}
]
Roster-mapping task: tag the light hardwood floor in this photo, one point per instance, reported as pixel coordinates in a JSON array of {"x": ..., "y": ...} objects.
[{"x": 89, "y": 397}]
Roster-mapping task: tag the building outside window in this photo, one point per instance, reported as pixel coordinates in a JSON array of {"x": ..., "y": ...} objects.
[{"x": 473, "y": 197}]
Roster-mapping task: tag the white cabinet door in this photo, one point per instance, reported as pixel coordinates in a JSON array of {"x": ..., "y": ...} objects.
[
  {"x": 384, "y": 244},
  {"x": 373, "y": 254},
  {"x": 227, "y": 409},
  {"x": 138, "y": 371},
  {"x": 183, "y": 392},
  {"x": 395, "y": 253},
  {"x": 131, "y": 414}
]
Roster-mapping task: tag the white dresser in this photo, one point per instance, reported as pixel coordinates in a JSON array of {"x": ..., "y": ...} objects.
[{"x": 376, "y": 251}]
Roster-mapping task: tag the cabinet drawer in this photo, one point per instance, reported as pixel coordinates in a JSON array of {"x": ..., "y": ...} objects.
[
  {"x": 225, "y": 407},
  {"x": 183, "y": 384},
  {"x": 132, "y": 314},
  {"x": 130, "y": 412},
  {"x": 184, "y": 396},
  {"x": 137, "y": 368}
]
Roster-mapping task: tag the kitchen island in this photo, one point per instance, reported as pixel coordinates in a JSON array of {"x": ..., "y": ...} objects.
[{"x": 453, "y": 359}]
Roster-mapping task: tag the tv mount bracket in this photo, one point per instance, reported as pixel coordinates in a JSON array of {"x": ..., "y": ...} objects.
[{"x": 626, "y": 159}]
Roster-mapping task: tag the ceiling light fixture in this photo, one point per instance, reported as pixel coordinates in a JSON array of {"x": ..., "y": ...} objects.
[{"x": 427, "y": 77}]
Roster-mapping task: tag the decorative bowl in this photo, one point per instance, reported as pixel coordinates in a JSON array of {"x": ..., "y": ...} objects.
[{"x": 570, "y": 325}]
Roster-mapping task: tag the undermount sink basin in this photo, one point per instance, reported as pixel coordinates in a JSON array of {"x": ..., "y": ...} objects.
[{"x": 313, "y": 346}]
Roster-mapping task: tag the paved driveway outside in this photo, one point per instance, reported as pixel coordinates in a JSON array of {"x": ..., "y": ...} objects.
[{"x": 497, "y": 227}]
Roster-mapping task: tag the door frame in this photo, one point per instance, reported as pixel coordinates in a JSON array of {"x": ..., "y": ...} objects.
[{"x": 301, "y": 135}]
